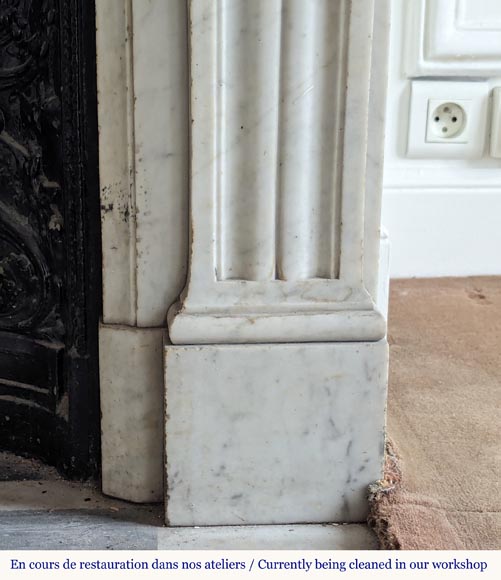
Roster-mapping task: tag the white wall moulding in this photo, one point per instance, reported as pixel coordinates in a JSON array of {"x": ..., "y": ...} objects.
[
  {"x": 453, "y": 37},
  {"x": 432, "y": 200},
  {"x": 495, "y": 145},
  {"x": 278, "y": 174}
]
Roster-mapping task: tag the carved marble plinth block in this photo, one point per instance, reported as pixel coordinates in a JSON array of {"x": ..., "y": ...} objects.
[
  {"x": 131, "y": 412},
  {"x": 273, "y": 434}
]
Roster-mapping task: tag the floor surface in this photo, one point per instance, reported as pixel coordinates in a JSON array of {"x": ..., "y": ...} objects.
[
  {"x": 444, "y": 413},
  {"x": 39, "y": 510}
]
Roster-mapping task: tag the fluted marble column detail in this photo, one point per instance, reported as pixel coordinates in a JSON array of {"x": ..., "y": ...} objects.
[
  {"x": 279, "y": 117},
  {"x": 310, "y": 142},
  {"x": 248, "y": 78}
]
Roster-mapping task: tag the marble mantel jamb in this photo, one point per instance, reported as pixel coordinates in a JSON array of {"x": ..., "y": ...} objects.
[
  {"x": 143, "y": 146},
  {"x": 265, "y": 337}
]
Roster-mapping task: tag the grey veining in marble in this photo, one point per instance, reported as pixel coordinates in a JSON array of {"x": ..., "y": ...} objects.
[
  {"x": 142, "y": 76},
  {"x": 269, "y": 434},
  {"x": 278, "y": 174},
  {"x": 50, "y": 513},
  {"x": 131, "y": 411}
]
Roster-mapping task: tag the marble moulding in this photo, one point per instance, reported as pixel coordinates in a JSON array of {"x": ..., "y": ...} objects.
[
  {"x": 275, "y": 353},
  {"x": 276, "y": 369},
  {"x": 143, "y": 167}
]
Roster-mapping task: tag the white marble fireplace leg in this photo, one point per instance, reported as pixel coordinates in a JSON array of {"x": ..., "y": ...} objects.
[
  {"x": 143, "y": 149},
  {"x": 276, "y": 375}
]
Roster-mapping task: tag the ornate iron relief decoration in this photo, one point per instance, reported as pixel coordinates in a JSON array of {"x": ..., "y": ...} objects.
[
  {"x": 49, "y": 233},
  {"x": 31, "y": 221}
]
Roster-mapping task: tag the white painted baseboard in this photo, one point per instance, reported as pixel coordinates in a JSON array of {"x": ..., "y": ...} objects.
[{"x": 443, "y": 233}]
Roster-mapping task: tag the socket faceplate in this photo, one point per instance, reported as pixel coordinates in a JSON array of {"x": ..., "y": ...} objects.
[{"x": 447, "y": 119}]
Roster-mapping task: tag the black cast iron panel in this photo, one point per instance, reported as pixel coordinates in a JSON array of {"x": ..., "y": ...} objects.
[{"x": 49, "y": 233}]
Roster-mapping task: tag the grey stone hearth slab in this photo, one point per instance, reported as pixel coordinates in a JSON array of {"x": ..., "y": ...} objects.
[
  {"x": 296, "y": 537},
  {"x": 60, "y": 515}
]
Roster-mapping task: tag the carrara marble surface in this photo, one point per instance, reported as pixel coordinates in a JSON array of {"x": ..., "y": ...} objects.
[
  {"x": 268, "y": 434},
  {"x": 132, "y": 417},
  {"x": 142, "y": 66},
  {"x": 280, "y": 113}
]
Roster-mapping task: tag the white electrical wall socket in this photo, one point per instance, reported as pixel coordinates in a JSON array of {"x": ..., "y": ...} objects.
[
  {"x": 446, "y": 122},
  {"x": 447, "y": 119},
  {"x": 496, "y": 123}
]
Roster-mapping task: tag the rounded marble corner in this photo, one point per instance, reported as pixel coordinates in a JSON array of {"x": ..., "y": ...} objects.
[{"x": 187, "y": 327}]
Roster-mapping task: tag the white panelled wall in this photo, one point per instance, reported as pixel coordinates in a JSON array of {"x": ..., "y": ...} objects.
[{"x": 443, "y": 216}]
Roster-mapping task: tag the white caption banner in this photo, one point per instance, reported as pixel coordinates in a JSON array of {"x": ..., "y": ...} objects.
[{"x": 246, "y": 564}]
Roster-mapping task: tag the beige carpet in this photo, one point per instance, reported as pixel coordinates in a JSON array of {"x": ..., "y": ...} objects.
[{"x": 444, "y": 416}]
